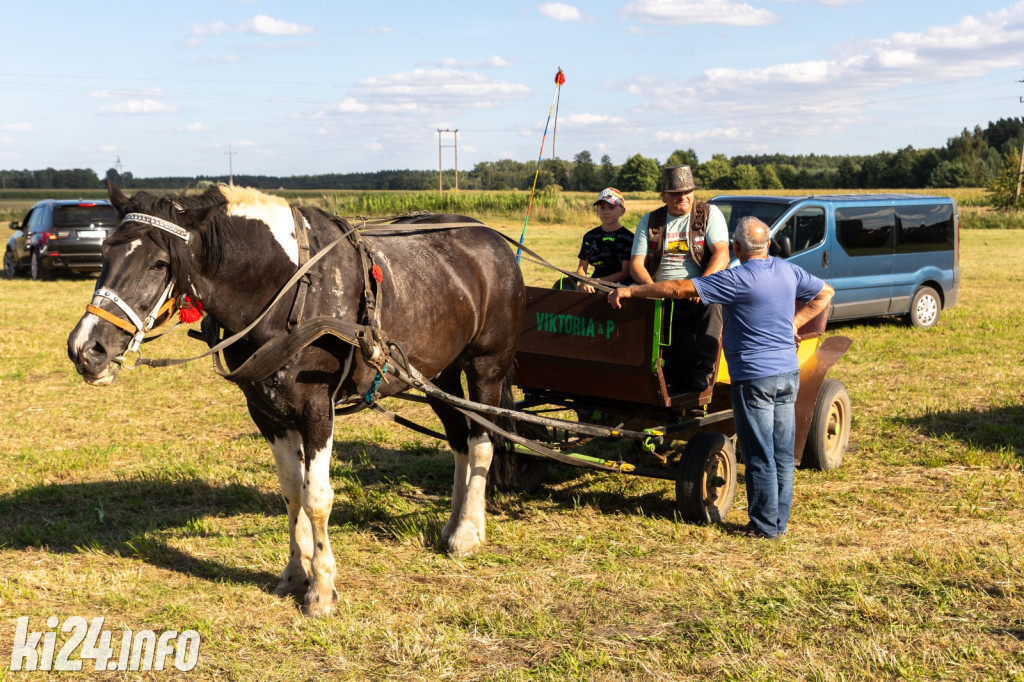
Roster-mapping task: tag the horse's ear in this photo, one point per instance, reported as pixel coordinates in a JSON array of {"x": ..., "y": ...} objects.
[{"x": 117, "y": 197}]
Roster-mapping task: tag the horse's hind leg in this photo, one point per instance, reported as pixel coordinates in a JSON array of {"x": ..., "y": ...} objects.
[
  {"x": 466, "y": 528},
  {"x": 288, "y": 455},
  {"x": 456, "y": 428}
]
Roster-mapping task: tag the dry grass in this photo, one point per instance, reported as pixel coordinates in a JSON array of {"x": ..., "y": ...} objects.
[{"x": 153, "y": 503}]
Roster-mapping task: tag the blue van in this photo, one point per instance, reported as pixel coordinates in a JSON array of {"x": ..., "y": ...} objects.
[{"x": 884, "y": 254}]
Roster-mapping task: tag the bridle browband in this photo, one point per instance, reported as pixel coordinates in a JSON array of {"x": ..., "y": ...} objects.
[{"x": 135, "y": 325}]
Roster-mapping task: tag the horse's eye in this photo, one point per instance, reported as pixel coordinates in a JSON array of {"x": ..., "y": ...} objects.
[{"x": 160, "y": 265}]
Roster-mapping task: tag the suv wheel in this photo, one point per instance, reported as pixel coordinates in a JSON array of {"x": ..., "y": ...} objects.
[
  {"x": 10, "y": 265},
  {"x": 36, "y": 269}
]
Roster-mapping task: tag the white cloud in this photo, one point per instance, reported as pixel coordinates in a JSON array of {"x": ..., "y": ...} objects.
[
  {"x": 379, "y": 31},
  {"x": 560, "y": 11},
  {"x": 263, "y": 25},
  {"x": 689, "y": 12},
  {"x": 195, "y": 128},
  {"x": 214, "y": 29},
  {"x": 594, "y": 120},
  {"x": 800, "y": 100},
  {"x": 495, "y": 62},
  {"x": 20, "y": 127},
  {"x": 138, "y": 106},
  {"x": 260, "y": 24},
  {"x": 120, "y": 94},
  {"x": 428, "y": 89}
]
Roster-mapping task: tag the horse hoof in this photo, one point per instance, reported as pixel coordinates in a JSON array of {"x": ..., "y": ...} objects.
[
  {"x": 464, "y": 541},
  {"x": 317, "y": 605}
]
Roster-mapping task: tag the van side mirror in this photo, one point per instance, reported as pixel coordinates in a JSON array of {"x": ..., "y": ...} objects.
[
  {"x": 15, "y": 225},
  {"x": 781, "y": 247}
]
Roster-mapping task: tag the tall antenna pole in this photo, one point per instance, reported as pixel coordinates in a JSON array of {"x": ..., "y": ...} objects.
[
  {"x": 440, "y": 171},
  {"x": 231, "y": 165}
]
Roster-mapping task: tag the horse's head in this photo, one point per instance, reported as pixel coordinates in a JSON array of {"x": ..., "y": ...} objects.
[{"x": 147, "y": 263}]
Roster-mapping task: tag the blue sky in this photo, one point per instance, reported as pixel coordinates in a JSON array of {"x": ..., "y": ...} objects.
[{"x": 307, "y": 87}]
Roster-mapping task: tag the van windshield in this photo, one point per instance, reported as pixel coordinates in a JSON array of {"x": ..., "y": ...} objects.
[{"x": 734, "y": 209}]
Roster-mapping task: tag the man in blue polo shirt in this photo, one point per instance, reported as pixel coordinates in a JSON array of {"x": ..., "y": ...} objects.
[{"x": 760, "y": 326}]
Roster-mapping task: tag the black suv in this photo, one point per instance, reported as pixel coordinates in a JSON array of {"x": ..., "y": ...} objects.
[{"x": 59, "y": 234}]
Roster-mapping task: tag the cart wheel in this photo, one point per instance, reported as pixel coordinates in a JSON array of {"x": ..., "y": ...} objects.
[
  {"x": 830, "y": 427},
  {"x": 513, "y": 472},
  {"x": 706, "y": 482}
]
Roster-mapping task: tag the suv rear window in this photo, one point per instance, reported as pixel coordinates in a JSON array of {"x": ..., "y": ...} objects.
[{"x": 72, "y": 216}]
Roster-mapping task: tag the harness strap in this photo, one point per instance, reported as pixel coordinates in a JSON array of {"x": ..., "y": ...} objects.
[
  {"x": 111, "y": 318},
  {"x": 302, "y": 238}
]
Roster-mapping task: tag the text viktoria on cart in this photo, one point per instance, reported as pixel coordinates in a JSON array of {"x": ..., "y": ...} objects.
[
  {"x": 574, "y": 324},
  {"x": 142, "y": 650}
]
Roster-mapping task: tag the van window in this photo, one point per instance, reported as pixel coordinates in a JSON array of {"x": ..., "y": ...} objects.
[
  {"x": 804, "y": 229},
  {"x": 925, "y": 228},
  {"x": 767, "y": 212},
  {"x": 866, "y": 231}
]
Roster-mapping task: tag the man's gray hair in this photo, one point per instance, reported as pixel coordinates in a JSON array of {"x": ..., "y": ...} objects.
[{"x": 752, "y": 234}]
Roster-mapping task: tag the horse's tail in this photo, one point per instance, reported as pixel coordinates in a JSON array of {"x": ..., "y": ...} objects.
[{"x": 511, "y": 471}]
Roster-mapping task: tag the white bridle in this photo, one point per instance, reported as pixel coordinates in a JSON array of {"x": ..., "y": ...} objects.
[{"x": 136, "y": 325}]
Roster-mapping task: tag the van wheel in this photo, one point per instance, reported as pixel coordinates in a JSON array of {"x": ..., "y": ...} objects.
[
  {"x": 829, "y": 434},
  {"x": 925, "y": 308}
]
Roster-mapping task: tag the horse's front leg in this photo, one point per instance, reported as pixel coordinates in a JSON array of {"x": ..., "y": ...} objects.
[
  {"x": 287, "y": 451},
  {"x": 317, "y": 499}
]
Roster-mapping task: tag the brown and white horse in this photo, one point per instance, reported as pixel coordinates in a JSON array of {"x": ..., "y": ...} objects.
[{"x": 453, "y": 298}]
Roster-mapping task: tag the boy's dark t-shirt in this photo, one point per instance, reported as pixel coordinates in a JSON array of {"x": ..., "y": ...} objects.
[{"x": 605, "y": 251}]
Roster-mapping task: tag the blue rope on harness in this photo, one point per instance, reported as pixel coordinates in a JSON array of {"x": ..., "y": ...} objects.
[{"x": 375, "y": 384}]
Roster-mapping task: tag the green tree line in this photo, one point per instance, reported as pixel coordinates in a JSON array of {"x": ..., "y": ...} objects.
[{"x": 982, "y": 157}]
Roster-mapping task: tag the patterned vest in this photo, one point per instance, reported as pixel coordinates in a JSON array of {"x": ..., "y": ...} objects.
[{"x": 656, "y": 242}]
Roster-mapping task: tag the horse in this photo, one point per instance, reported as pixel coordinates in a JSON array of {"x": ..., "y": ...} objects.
[{"x": 452, "y": 295}]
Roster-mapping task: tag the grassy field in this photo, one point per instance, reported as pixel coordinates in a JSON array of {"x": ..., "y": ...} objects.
[{"x": 154, "y": 503}]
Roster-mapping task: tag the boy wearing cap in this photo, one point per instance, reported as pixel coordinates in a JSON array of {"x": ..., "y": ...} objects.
[
  {"x": 607, "y": 247},
  {"x": 684, "y": 238}
]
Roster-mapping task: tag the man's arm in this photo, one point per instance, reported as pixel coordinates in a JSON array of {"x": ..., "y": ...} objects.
[
  {"x": 813, "y": 307},
  {"x": 719, "y": 258},
  {"x": 637, "y": 270},
  {"x": 671, "y": 288}
]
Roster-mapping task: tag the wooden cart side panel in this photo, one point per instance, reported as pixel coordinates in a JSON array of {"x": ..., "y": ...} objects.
[{"x": 576, "y": 343}]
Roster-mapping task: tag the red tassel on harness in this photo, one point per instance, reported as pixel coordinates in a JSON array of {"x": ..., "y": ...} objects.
[
  {"x": 377, "y": 273},
  {"x": 560, "y": 78},
  {"x": 190, "y": 311}
]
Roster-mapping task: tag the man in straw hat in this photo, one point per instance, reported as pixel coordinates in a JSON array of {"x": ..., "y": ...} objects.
[{"x": 684, "y": 238}]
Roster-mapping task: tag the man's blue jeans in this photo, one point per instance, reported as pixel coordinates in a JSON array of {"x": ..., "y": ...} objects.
[{"x": 765, "y": 417}]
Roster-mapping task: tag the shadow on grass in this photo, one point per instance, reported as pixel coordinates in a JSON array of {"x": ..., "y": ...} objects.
[
  {"x": 126, "y": 517},
  {"x": 993, "y": 429}
]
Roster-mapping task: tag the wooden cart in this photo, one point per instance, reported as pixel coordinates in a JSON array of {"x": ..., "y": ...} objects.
[{"x": 578, "y": 354}]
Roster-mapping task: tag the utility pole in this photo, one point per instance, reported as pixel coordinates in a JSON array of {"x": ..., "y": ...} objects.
[
  {"x": 440, "y": 171},
  {"x": 120, "y": 177},
  {"x": 1020, "y": 168},
  {"x": 230, "y": 165}
]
